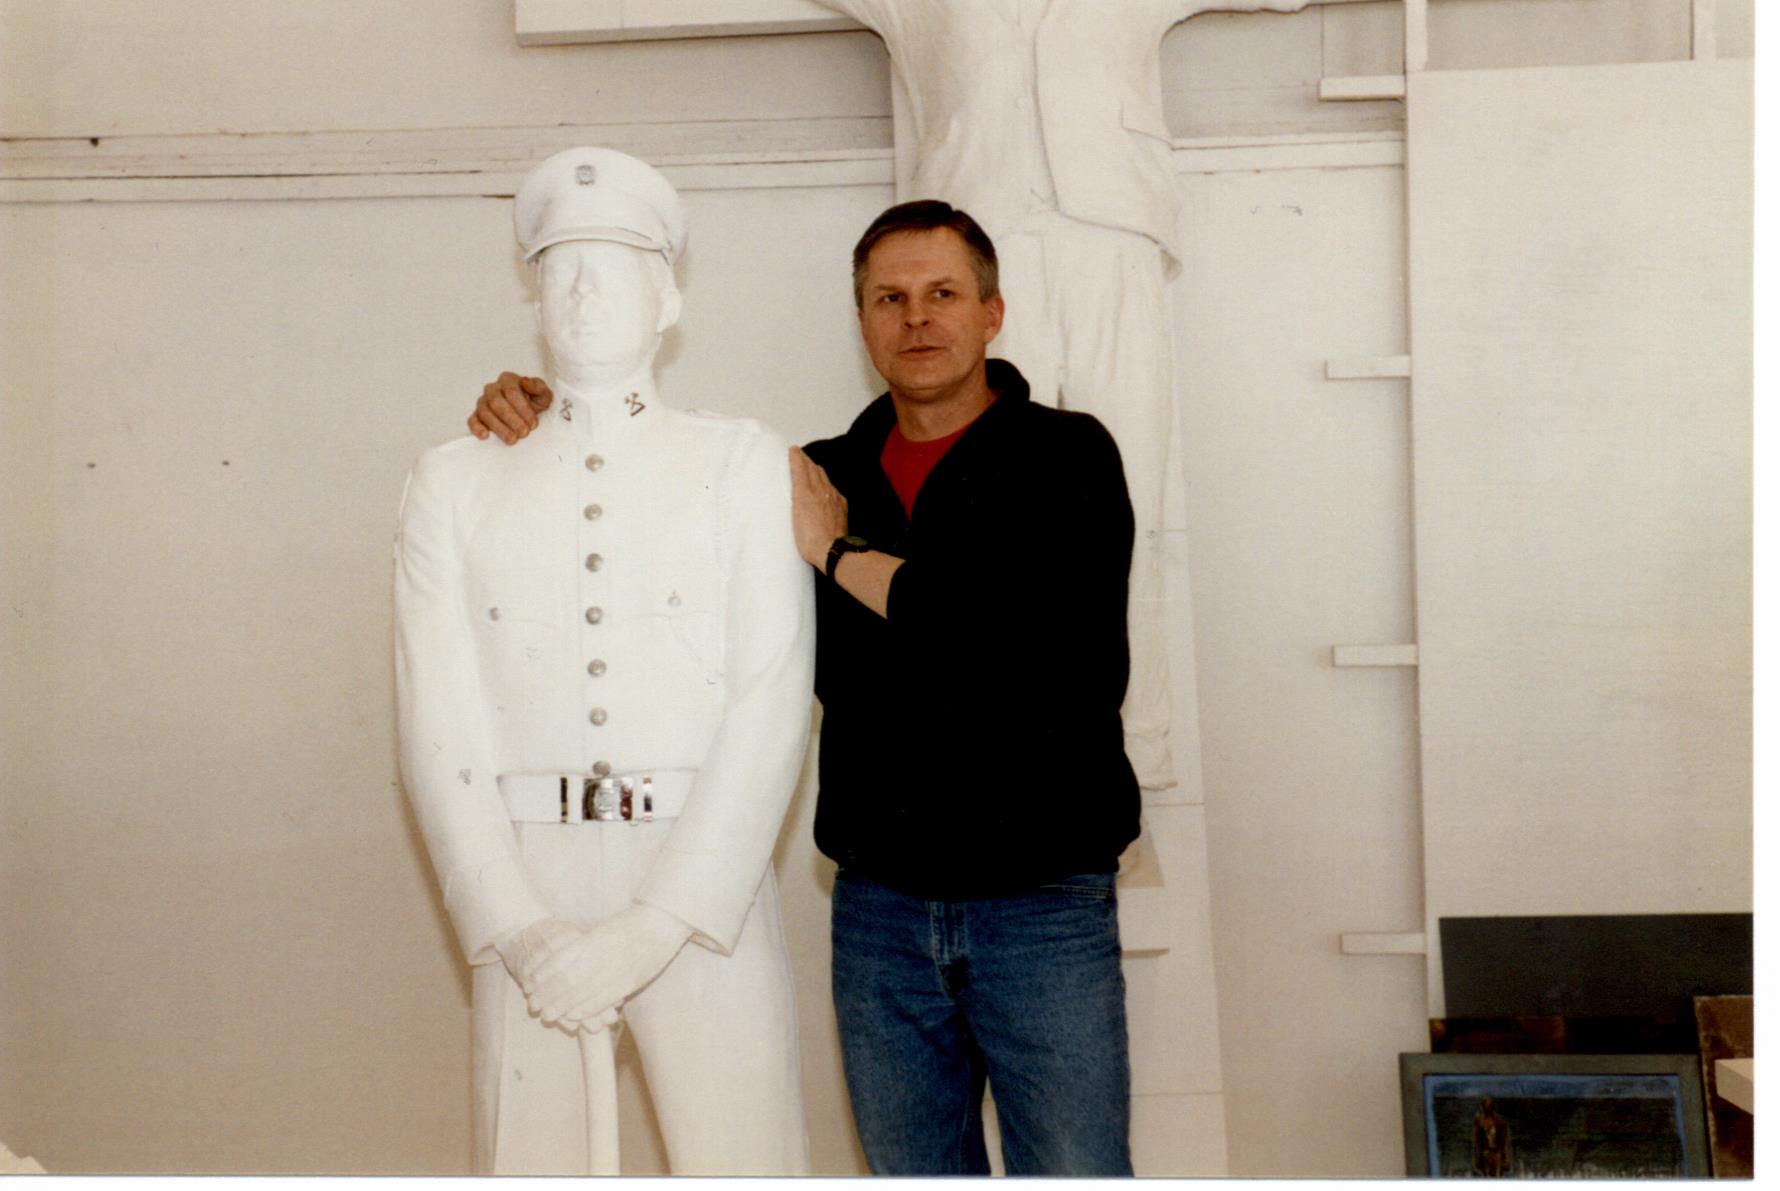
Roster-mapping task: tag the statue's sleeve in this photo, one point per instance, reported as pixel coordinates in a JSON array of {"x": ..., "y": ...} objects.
[
  {"x": 447, "y": 760},
  {"x": 711, "y": 865}
]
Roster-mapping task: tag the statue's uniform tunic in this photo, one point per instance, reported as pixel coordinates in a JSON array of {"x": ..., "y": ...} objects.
[
  {"x": 1043, "y": 119},
  {"x": 618, "y": 593}
]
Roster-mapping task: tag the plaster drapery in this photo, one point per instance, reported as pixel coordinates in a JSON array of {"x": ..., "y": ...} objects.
[{"x": 1043, "y": 119}]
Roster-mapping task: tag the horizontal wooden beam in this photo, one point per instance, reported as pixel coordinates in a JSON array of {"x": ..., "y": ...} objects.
[
  {"x": 1384, "y": 943},
  {"x": 570, "y": 22},
  {"x": 1376, "y": 655},
  {"x": 1144, "y": 920},
  {"x": 1366, "y": 368},
  {"x": 1735, "y": 1079},
  {"x": 490, "y": 162},
  {"x": 1371, "y": 86}
]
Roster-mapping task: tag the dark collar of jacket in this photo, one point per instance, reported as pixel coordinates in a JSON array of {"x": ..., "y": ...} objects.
[{"x": 852, "y": 460}]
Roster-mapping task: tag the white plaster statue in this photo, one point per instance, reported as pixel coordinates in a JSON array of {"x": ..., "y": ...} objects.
[
  {"x": 1043, "y": 119},
  {"x": 618, "y": 597}
]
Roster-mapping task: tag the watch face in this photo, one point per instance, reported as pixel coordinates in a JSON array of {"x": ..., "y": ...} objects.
[{"x": 855, "y": 542}]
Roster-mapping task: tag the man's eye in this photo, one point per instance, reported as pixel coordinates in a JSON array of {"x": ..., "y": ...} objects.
[
  {"x": 891, "y": 298},
  {"x": 942, "y": 293}
]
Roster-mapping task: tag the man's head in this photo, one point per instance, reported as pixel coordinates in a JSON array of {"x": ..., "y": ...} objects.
[
  {"x": 925, "y": 280},
  {"x": 603, "y": 230},
  {"x": 926, "y": 215}
]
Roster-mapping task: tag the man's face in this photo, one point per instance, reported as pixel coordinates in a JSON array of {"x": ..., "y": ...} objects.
[
  {"x": 923, "y": 318},
  {"x": 600, "y": 304}
]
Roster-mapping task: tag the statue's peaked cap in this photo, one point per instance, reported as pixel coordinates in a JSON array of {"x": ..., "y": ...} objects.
[{"x": 598, "y": 194}]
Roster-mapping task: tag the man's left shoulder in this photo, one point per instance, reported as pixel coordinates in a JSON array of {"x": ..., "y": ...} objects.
[{"x": 1065, "y": 429}]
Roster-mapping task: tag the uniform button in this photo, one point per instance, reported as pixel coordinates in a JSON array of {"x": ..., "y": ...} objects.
[
  {"x": 494, "y": 614},
  {"x": 596, "y": 667},
  {"x": 594, "y": 615},
  {"x": 594, "y": 561},
  {"x": 597, "y": 716},
  {"x": 594, "y": 463},
  {"x": 602, "y": 769},
  {"x": 592, "y": 512}
]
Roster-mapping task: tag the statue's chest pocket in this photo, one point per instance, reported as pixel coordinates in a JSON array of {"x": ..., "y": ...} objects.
[
  {"x": 513, "y": 604},
  {"x": 680, "y": 603}
]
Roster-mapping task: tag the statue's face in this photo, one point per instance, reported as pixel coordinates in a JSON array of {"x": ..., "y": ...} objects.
[
  {"x": 601, "y": 304},
  {"x": 924, "y": 320}
]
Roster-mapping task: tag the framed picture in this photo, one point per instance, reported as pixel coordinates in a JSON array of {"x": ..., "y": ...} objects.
[{"x": 1553, "y": 1116}]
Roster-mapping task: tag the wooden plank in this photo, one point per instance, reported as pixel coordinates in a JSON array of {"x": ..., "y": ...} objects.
[
  {"x": 1366, "y": 367},
  {"x": 1705, "y": 30},
  {"x": 1384, "y": 943},
  {"x": 1415, "y": 36},
  {"x": 1376, "y": 655},
  {"x": 1144, "y": 920},
  {"x": 567, "y": 22},
  {"x": 1359, "y": 150},
  {"x": 1377, "y": 86},
  {"x": 1579, "y": 258},
  {"x": 387, "y": 163},
  {"x": 1736, "y": 1082}
]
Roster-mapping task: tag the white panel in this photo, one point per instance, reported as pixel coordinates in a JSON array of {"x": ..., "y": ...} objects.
[
  {"x": 1580, "y": 273},
  {"x": 1178, "y": 1137},
  {"x": 1298, "y": 528},
  {"x": 1171, "y": 998}
]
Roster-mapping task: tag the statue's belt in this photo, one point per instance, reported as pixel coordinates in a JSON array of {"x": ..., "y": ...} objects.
[{"x": 576, "y": 798}]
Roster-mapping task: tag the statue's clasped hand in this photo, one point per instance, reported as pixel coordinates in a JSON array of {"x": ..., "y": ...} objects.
[{"x": 581, "y": 977}]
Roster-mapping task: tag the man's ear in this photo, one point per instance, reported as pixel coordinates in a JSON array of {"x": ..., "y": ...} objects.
[{"x": 997, "y": 309}]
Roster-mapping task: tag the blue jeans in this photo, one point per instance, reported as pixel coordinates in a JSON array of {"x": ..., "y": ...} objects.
[{"x": 1023, "y": 991}]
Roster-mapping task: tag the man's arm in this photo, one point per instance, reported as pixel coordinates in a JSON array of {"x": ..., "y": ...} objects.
[
  {"x": 1059, "y": 569},
  {"x": 819, "y": 516}
]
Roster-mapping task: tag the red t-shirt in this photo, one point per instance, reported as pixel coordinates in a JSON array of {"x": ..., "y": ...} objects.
[{"x": 907, "y": 464}]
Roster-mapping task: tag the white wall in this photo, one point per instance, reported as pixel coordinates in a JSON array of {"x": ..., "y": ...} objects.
[{"x": 221, "y": 948}]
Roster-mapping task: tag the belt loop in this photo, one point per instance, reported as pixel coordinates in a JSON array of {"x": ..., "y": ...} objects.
[
  {"x": 625, "y": 789},
  {"x": 648, "y": 799},
  {"x": 563, "y": 784}
]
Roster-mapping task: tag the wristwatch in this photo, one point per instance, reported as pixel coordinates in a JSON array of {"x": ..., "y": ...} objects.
[{"x": 848, "y": 544}]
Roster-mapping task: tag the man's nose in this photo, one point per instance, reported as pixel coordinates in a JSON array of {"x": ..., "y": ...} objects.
[{"x": 915, "y": 314}]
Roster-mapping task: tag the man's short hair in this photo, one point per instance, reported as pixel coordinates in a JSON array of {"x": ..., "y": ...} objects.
[{"x": 926, "y": 215}]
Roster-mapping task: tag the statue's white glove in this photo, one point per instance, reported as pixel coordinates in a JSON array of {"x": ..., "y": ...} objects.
[
  {"x": 524, "y": 949},
  {"x": 583, "y": 982}
]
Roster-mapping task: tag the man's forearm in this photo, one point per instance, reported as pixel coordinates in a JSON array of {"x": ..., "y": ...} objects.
[{"x": 865, "y": 575}]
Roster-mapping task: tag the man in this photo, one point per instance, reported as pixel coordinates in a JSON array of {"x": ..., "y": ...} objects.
[
  {"x": 604, "y": 653},
  {"x": 971, "y": 660}
]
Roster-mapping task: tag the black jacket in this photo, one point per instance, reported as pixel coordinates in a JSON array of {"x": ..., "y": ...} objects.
[{"x": 971, "y": 741}]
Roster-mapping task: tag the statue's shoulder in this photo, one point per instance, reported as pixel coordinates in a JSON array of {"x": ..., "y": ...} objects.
[{"x": 735, "y": 432}]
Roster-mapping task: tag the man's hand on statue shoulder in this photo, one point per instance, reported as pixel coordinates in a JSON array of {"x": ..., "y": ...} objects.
[
  {"x": 509, "y": 407},
  {"x": 582, "y": 983},
  {"x": 818, "y": 510}
]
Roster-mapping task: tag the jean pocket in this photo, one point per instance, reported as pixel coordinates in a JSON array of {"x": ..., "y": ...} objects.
[{"x": 1093, "y": 886}]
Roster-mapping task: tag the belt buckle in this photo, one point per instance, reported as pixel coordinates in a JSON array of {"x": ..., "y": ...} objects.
[{"x": 601, "y": 800}]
